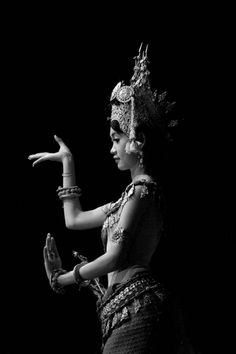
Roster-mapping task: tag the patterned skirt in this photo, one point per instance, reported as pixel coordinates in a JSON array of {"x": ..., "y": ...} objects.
[{"x": 135, "y": 317}]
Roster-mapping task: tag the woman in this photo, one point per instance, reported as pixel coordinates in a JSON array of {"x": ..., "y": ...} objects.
[{"x": 134, "y": 309}]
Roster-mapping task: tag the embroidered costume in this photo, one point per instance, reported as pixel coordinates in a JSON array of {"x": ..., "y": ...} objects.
[{"x": 130, "y": 315}]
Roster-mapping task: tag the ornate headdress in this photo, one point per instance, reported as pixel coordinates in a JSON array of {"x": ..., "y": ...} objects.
[{"x": 134, "y": 104}]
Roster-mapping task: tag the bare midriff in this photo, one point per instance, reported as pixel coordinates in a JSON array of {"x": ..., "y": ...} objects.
[{"x": 121, "y": 276}]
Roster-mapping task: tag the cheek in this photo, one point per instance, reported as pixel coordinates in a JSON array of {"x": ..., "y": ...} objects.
[
  {"x": 131, "y": 159},
  {"x": 121, "y": 151},
  {"x": 134, "y": 158}
]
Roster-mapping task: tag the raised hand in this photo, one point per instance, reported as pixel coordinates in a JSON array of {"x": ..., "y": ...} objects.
[
  {"x": 52, "y": 156},
  {"x": 52, "y": 260}
]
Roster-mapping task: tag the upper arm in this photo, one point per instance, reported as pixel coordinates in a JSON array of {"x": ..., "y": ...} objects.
[{"x": 90, "y": 219}]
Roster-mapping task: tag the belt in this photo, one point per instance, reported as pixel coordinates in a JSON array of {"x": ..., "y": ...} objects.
[{"x": 113, "y": 311}]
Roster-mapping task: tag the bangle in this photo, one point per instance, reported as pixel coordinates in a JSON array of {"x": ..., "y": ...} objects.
[
  {"x": 69, "y": 196},
  {"x": 66, "y": 174},
  {"x": 69, "y": 192},
  {"x": 77, "y": 276},
  {"x": 70, "y": 189},
  {"x": 58, "y": 288}
]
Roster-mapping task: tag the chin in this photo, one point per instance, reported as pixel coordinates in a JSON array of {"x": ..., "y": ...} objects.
[{"x": 122, "y": 168}]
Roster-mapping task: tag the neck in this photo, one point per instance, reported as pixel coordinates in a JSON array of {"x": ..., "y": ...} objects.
[{"x": 137, "y": 171}]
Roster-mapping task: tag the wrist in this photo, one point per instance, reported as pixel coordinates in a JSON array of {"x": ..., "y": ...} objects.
[
  {"x": 79, "y": 280},
  {"x": 67, "y": 157},
  {"x": 68, "y": 165},
  {"x": 54, "y": 283}
]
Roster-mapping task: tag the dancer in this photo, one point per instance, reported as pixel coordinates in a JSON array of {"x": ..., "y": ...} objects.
[{"x": 135, "y": 310}]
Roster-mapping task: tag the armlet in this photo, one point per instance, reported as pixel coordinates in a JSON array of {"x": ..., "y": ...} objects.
[
  {"x": 106, "y": 208},
  {"x": 119, "y": 234},
  {"x": 147, "y": 188}
]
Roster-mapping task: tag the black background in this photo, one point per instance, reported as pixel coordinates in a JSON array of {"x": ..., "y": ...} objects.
[{"x": 60, "y": 67}]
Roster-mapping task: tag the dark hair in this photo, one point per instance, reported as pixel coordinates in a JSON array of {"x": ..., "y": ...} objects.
[{"x": 114, "y": 124}]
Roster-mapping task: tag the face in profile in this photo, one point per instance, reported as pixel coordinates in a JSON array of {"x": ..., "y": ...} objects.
[{"x": 124, "y": 161}]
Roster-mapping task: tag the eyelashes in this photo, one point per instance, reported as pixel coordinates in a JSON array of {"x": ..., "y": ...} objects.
[{"x": 116, "y": 140}]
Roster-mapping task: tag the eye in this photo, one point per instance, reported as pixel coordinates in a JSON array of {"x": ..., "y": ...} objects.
[{"x": 116, "y": 140}]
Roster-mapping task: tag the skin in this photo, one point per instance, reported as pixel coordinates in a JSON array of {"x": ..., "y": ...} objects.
[
  {"x": 58, "y": 156},
  {"x": 51, "y": 256}
]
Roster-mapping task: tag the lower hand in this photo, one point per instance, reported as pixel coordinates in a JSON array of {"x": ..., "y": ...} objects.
[{"x": 52, "y": 260}]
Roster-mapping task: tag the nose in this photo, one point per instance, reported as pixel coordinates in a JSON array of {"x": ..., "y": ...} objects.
[{"x": 112, "y": 151}]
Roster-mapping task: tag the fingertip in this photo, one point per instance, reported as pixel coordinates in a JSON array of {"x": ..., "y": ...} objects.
[
  {"x": 57, "y": 138},
  {"x": 35, "y": 163}
]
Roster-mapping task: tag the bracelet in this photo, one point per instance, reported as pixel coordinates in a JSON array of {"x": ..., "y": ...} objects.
[
  {"x": 78, "y": 279},
  {"x": 58, "y": 288},
  {"x": 66, "y": 174},
  {"x": 69, "y": 196},
  {"x": 68, "y": 189},
  {"x": 69, "y": 192}
]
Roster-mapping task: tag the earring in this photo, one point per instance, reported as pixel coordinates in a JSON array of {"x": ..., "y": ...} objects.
[{"x": 141, "y": 159}]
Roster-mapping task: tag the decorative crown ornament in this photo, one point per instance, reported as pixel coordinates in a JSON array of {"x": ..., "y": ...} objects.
[{"x": 134, "y": 104}]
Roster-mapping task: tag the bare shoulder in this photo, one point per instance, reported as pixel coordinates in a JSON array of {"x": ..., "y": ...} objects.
[
  {"x": 140, "y": 187},
  {"x": 143, "y": 178}
]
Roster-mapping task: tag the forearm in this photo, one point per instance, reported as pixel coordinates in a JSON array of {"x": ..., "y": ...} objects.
[
  {"x": 99, "y": 267},
  {"x": 66, "y": 279},
  {"x": 72, "y": 207},
  {"x": 95, "y": 269},
  {"x": 69, "y": 178}
]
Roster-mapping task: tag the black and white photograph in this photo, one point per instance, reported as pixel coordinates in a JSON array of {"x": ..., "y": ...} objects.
[{"x": 118, "y": 223}]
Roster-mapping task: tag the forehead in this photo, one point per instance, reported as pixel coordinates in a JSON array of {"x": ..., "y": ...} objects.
[{"x": 122, "y": 136}]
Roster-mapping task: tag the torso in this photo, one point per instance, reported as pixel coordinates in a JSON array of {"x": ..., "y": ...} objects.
[{"x": 139, "y": 250}]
